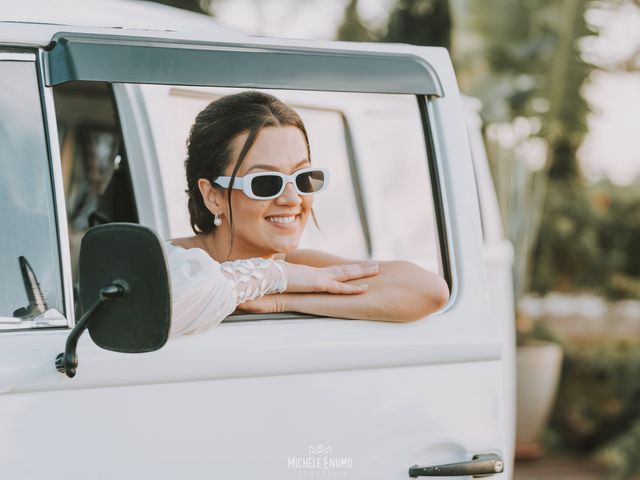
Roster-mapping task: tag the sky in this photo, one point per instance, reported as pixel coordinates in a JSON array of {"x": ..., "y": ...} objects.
[{"x": 612, "y": 146}]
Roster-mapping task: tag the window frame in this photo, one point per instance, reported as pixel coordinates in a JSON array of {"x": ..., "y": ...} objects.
[
  {"x": 57, "y": 193},
  {"x": 55, "y": 166},
  {"x": 439, "y": 194},
  {"x": 72, "y": 58}
]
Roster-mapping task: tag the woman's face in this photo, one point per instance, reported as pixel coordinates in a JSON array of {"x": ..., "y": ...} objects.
[{"x": 265, "y": 227}]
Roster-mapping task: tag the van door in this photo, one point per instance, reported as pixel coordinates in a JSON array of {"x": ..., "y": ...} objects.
[{"x": 281, "y": 396}]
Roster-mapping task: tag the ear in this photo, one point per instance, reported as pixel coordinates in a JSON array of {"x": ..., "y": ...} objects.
[{"x": 214, "y": 198}]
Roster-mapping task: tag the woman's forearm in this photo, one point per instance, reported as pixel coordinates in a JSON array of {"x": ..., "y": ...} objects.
[{"x": 402, "y": 292}]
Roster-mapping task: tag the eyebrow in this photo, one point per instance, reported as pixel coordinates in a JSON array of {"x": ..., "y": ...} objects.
[{"x": 271, "y": 167}]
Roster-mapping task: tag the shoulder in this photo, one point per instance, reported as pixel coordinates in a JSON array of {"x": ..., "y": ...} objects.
[
  {"x": 186, "y": 243},
  {"x": 188, "y": 261}
]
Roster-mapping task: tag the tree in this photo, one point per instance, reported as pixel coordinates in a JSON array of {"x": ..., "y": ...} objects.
[
  {"x": 352, "y": 28},
  {"x": 525, "y": 64},
  {"x": 420, "y": 22}
]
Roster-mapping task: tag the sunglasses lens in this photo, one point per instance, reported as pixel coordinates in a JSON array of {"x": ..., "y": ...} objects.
[
  {"x": 266, "y": 186},
  {"x": 310, "y": 182}
]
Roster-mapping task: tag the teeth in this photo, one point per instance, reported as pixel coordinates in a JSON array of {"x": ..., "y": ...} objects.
[{"x": 282, "y": 219}]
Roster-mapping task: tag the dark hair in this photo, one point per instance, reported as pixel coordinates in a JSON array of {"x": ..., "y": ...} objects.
[{"x": 209, "y": 143}]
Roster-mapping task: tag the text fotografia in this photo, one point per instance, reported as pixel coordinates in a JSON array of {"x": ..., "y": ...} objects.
[{"x": 319, "y": 458}]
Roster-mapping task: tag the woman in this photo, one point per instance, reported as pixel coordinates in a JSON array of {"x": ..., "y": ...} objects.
[{"x": 251, "y": 186}]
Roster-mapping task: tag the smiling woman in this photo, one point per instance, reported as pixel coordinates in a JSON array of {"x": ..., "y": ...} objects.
[
  {"x": 250, "y": 186},
  {"x": 274, "y": 213}
]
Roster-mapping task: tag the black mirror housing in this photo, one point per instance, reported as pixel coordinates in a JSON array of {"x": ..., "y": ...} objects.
[
  {"x": 124, "y": 292},
  {"x": 138, "y": 321}
]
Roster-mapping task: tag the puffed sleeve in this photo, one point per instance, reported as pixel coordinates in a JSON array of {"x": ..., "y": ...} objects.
[
  {"x": 204, "y": 291},
  {"x": 202, "y": 296}
]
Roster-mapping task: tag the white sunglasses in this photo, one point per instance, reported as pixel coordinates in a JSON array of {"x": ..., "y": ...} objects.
[{"x": 268, "y": 185}]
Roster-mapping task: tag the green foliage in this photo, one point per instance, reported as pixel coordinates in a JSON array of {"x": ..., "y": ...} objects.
[
  {"x": 598, "y": 408},
  {"x": 620, "y": 455},
  {"x": 352, "y": 28},
  {"x": 589, "y": 241},
  {"x": 568, "y": 248},
  {"x": 420, "y": 22},
  {"x": 619, "y": 236}
]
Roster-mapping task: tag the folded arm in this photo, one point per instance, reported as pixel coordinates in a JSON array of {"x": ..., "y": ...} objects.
[{"x": 401, "y": 292}]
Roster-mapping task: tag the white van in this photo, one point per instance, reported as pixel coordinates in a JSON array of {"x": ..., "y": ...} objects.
[{"x": 96, "y": 102}]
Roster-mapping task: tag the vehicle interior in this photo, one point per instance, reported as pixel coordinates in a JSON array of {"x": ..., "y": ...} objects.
[{"x": 97, "y": 184}]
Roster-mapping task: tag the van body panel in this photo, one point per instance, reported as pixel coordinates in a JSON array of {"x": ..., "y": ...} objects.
[
  {"x": 248, "y": 349},
  {"x": 262, "y": 427}
]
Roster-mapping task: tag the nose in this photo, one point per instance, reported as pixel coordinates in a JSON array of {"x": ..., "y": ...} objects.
[{"x": 289, "y": 196}]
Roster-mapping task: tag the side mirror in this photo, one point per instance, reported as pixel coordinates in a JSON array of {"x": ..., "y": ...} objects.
[{"x": 124, "y": 292}]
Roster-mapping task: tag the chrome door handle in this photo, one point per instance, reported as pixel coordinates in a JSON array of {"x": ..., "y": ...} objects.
[{"x": 481, "y": 465}]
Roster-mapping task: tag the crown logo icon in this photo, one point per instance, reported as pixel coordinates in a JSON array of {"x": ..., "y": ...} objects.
[{"x": 320, "y": 450}]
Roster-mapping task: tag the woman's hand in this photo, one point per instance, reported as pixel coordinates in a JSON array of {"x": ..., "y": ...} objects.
[{"x": 331, "y": 279}]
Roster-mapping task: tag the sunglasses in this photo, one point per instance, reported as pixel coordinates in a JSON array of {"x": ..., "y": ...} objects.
[{"x": 268, "y": 185}]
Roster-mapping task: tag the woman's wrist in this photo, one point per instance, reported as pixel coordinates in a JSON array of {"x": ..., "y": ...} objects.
[
  {"x": 255, "y": 277},
  {"x": 283, "y": 276}
]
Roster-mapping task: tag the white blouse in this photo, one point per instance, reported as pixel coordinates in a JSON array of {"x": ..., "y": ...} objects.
[{"x": 204, "y": 291}]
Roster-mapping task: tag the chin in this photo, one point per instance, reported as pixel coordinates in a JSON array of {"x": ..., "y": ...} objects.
[{"x": 287, "y": 246}]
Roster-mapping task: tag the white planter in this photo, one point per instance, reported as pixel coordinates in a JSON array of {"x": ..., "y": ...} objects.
[{"x": 538, "y": 369}]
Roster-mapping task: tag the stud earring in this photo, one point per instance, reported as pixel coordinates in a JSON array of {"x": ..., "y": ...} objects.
[{"x": 217, "y": 221}]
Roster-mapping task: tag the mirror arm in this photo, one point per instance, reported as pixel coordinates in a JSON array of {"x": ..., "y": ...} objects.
[{"x": 67, "y": 362}]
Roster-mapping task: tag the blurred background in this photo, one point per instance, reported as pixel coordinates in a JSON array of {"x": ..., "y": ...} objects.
[{"x": 559, "y": 83}]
